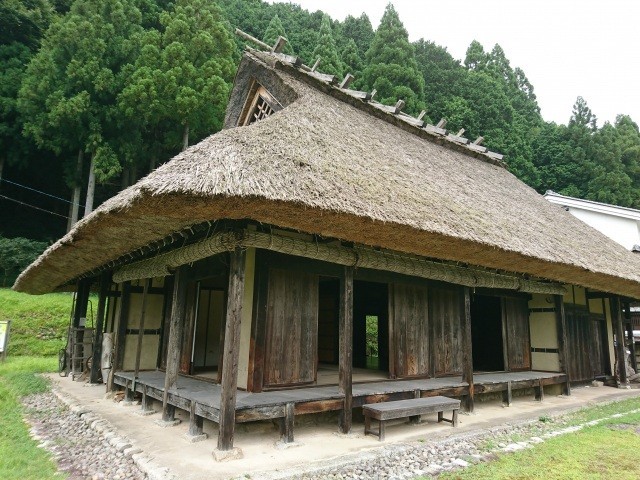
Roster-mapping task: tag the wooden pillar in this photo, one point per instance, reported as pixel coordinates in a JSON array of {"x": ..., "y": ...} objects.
[
  {"x": 105, "y": 285},
  {"x": 346, "y": 348},
  {"x": 82, "y": 300},
  {"x": 507, "y": 395},
  {"x": 231, "y": 350},
  {"x": 467, "y": 350},
  {"x": 630, "y": 340},
  {"x": 286, "y": 423},
  {"x": 143, "y": 312},
  {"x": 616, "y": 314},
  {"x": 563, "y": 351},
  {"x": 123, "y": 321},
  {"x": 76, "y": 353},
  {"x": 176, "y": 331}
]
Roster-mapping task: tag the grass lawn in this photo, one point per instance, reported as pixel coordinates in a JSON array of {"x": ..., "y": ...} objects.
[
  {"x": 38, "y": 322},
  {"x": 38, "y": 330},
  {"x": 20, "y": 457},
  {"x": 607, "y": 450}
]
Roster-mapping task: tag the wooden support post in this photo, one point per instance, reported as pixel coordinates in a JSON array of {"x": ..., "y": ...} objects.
[
  {"x": 286, "y": 423},
  {"x": 129, "y": 392},
  {"x": 630, "y": 340},
  {"x": 231, "y": 350},
  {"x": 143, "y": 312},
  {"x": 196, "y": 424},
  {"x": 176, "y": 327},
  {"x": 539, "y": 389},
  {"x": 467, "y": 352},
  {"x": 76, "y": 353},
  {"x": 123, "y": 321},
  {"x": 507, "y": 395},
  {"x": 105, "y": 284},
  {"x": 563, "y": 343},
  {"x": 346, "y": 348},
  {"x": 146, "y": 406},
  {"x": 616, "y": 313},
  {"x": 82, "y": 300}
]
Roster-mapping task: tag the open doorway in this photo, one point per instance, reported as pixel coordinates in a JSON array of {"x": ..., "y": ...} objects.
[
  {"x": 370, "y": 331},
  {"x": 487, "y": 334},
  {"x": 371, "y": 328}
]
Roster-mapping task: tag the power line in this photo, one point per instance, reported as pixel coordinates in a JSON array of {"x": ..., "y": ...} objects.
[
  {"x": 38, "y": 191},
  {"x": 32, "y": 206}
]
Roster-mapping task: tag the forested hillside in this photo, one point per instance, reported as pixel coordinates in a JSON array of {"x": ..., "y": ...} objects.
[{"x": 96, "y": 93}]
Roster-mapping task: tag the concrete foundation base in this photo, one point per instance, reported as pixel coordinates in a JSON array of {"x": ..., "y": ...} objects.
[
  {"x": 146, "y": 413},
  {"x": 227, "y": 455},
  {"x": 169, "y": 423},
  {"x": 196, "y": 438}
]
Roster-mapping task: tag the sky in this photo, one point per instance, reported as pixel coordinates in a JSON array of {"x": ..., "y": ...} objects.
[{"x": 567, "y": 48}]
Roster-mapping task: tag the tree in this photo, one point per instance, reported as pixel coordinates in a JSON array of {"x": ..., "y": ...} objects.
[
  {"x": 443, "y": 76},
  {"x": 183, "y": 74},
  {"x": 352, "y": 61},
  {"x": 70, "y": 88},
  {"x": 21, "y": 27},
  {"x": 15, "y": 255},
  {"x": 359, "y": 30},
  {"x": 476, "y": 58},
  {"x": 327, "y": 51},
  {"x": 582, "y": 117},
  {"x": 392, "y": 68},
  {"x": 275, "y": 30}
]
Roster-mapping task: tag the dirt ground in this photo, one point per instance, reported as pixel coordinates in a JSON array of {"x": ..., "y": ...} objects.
[{"x": 318, "y": 442}]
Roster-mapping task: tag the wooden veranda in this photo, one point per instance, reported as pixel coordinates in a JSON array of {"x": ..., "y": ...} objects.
[{"x": 203, "y": 398}]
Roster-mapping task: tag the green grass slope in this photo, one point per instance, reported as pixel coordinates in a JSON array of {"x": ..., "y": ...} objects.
[{"x": 38, "y": 322}]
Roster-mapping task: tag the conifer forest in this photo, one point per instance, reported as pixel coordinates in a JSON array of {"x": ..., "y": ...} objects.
[{"x": 96, "y": 93}]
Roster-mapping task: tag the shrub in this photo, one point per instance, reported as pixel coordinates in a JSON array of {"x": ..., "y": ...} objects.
[{"x": 15, "y": 255}]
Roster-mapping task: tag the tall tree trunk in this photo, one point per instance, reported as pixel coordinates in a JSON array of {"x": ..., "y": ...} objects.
[
  {"x": 185, "y": 137},
  {"x": 152, "y": 163},
  {"x": 124, "y": 178},
  {"x": 77, "y": 189},
  {"x": 1, "y": 168},
  {"x": 91, "y": 186}
]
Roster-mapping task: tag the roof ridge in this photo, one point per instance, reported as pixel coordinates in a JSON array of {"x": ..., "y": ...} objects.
[{"x": 364, "y": 101}]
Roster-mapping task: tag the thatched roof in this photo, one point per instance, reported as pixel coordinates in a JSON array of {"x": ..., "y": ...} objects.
[{"x": 333, "y": 165}]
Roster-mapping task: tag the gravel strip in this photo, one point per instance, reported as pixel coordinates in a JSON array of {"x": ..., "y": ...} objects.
[
  {"x": 431, "y": 458},
  {"x": 82, "y": 444}
]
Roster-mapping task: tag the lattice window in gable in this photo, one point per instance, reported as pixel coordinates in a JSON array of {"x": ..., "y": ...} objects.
[
  {"x": 260, "y": 111},
  {"x": 260, "y": 104}
]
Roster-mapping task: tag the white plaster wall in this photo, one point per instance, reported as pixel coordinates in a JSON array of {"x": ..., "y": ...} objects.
[
  {"x": 544, "y": 334},
  {"x": 624, "y": 231}
]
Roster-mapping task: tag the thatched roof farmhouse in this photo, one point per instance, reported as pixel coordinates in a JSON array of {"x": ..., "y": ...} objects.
[{"x": 314, "y": 208}]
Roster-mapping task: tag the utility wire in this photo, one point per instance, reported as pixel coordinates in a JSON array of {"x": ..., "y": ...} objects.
[
  {"x": 32, "y": 206},
  {"x": 38, "y": 191}
]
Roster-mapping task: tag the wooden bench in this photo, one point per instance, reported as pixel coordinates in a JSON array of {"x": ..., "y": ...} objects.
[{"x": 412, "y": 408}]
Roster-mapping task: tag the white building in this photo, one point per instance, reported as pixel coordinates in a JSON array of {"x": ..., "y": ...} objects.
[{"x": 621, "y": 224}]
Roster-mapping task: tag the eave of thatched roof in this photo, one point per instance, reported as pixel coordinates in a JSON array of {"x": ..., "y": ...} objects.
[{"x": 328, "y": 166}]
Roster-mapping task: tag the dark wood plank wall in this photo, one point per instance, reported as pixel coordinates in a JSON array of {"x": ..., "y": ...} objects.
[
  {"x": 518, "y": 340},
  {"x": 579, "y": 339},
  {"x": 292, "y": 319},
  {"x": 328, "y": 322},
  {"x": 445, "y": 316},
  {"x": 411, "y": 330},
  {"x": 599, "y": 351}
]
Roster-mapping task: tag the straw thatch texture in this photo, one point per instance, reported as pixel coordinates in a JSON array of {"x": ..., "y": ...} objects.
[{"x": 326, "y": 167}]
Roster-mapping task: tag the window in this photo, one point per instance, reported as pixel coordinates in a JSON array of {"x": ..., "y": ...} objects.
[{"x": 260, "y": 104}]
